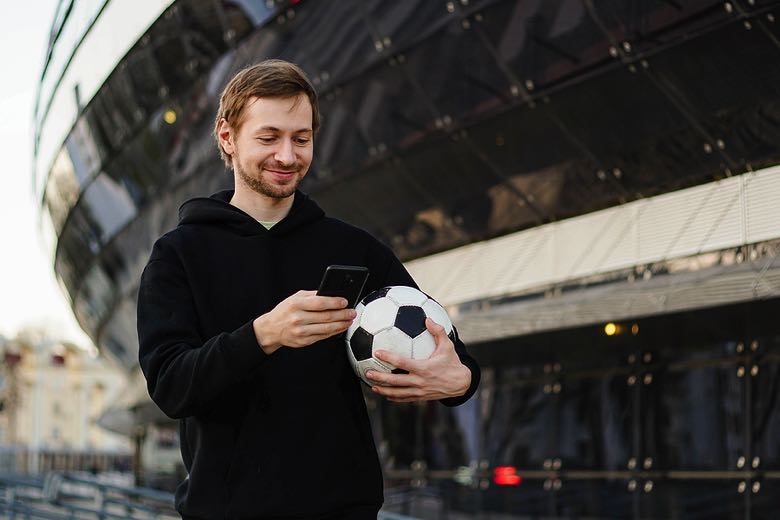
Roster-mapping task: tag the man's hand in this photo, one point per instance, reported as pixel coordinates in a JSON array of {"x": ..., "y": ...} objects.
[
  {"x": 441, "y": 375},
  {"x": 302, "y": 319}
]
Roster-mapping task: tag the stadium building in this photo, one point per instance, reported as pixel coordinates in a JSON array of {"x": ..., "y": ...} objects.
[{"x": 589, "y": 187}]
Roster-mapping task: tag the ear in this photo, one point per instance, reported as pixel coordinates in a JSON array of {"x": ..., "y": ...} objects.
[{"x": 226, "y": 136}]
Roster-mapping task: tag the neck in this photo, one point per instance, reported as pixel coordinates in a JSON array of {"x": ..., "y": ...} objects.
[{"x": 261, "y": 207}]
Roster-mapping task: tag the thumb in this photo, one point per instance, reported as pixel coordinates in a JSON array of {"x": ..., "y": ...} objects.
[{"x": 437, "y": 331}]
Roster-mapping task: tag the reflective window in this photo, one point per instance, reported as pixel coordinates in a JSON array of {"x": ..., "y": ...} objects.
[
  {"x": 695, "y": 418},
  {"x": 84, "y": 151},
  {"x": 62, "y": 190},
  {"x": 112, "y": 35},
  {"x": 95, "y": 299},
  {"x": 78, "y": 244},
  {"x": 330, "y": 40},
  {"x": 109, "y": 205},
  {"x": 72, "y": 20},
  {"x": 120, "y": 335},
  {"x": 764, "y": 381},
  {"x": 141, "y": 168}
]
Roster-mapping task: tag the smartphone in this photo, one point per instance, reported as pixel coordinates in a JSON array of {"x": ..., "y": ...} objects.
[{"x": 346, "y": 281}]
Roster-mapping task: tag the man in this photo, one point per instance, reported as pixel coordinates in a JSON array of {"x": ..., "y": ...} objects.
[{"x": 236, "y": 344}]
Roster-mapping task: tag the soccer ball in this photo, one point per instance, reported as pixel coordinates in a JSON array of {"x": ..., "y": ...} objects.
[{"x": 393, "y": 319}]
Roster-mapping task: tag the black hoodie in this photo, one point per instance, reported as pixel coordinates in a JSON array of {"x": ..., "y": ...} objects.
[{"x": 285, "y": 435}]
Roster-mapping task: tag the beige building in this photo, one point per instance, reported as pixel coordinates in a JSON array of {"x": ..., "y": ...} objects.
[{"x": 52, "y": 393}]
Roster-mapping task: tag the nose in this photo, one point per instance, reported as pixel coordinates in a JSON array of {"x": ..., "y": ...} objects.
[{"x": 284, "y": 153}]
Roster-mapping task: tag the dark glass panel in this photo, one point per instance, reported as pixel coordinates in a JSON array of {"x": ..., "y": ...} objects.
[
  {"x": 455, "y": 76},
  {"x": 62, "y": 190},
  {"x": 330, "y": 40},
  {"x": 591, "y": 499},
  {"x": 341, "y": 146},
  {"x": 544, "y": 43},
  {"x": 126, "y": 256},
  {"x": 115, "y": 107},
  {"x": 764, "y": 501},
  {"x": 710, "y": 499},
  {"x": 108, "y": 205},
  {"x": 95, "y": 298},
  {"x": 652, "y": 23},
  {"x": 765, "y": 409},
  {"x": 94, "y": 128},
  {"x": 693, "y": 417},
  {"x": 528, "y": 500},
  {"x": 451, "y": 435},
  {"x": 237, "y": 14},
  {"x": 141, "y": 168},
  {"x": 170, "y": 52},
  {"x": 77, "y": 246},
  {"x": 399, "y": 445},
  {"x": 144, "y": 74},
  {"x": 594, "y": 428},
  {"x": 521, "y": 420},
  {"x": 405, "y": 22},
  {"x": 561, "y": 499},
  {"x": 119, "y": 335},
  {"x": 84, "y": 151},
  {"x": 730, "y": 55}
]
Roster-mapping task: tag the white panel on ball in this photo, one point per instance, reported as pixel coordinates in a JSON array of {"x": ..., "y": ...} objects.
[
  {"x": 406, "y": 296},
  {"x": 393, "y": 340},
  {"x": 423, "y": 346},
  {"x": 352, "y": 359},
  {"x": 437, "y": 313},
  {"x": 378, "y": 314},
  {"x": 371, "y": 364},
  {"x": 356, "y": 322}
]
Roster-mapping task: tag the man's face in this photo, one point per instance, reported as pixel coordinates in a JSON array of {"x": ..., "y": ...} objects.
[{"x": 273, "y": 149}]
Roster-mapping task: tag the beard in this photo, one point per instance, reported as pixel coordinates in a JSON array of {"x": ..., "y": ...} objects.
[{"x": 261, "y": 186}]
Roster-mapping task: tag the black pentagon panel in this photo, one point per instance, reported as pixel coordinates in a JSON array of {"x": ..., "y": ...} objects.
[
  {"x": 400, "y": 371},
  {"x": 411, "y": 320},
  {"x": 379, "y": 293},
  {"x": 361, "y": 343}
]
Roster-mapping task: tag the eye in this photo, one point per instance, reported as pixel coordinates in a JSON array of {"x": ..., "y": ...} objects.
[
  {"x": 302, "y": 140},
  {"x": 266, "y": 139}
]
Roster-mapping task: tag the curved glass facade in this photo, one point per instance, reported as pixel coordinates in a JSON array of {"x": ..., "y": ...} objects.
[{"x": 444, "y": 123}]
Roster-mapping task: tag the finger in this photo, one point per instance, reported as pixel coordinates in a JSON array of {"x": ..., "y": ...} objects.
[
  {"x": 394, "y": 392},
  {"x": 435, "y": 329},
  {"x": 323, "y": 303},
  {"x": 317, "y": 331},
  {"x": 405, "y": 363},
  {"x": 313, "y": 317},
  {"x": 399, "y": 380},
  {"x": 440, "y": 337}
]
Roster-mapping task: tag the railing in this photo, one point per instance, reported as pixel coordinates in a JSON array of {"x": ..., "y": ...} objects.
[
  {"x": 22, "y": 460},
  {"x": 60, "y": 496},
  {"x": 65, "y": 495}
]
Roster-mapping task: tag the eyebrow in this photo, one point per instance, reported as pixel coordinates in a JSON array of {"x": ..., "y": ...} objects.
[{"x": 274, "y": 129}]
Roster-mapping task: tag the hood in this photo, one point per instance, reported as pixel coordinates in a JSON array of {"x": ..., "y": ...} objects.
[{"x": 217, "y": 210}]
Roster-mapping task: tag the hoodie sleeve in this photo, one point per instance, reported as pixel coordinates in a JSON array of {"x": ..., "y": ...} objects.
[
  {"x": 185, "y": 373},
  {"x": 396, "y": 274}
]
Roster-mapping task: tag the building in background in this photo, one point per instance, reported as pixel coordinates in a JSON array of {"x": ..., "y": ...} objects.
[
  {"x": 53, "y": 394},
  {"x": 588, "y": 186}
]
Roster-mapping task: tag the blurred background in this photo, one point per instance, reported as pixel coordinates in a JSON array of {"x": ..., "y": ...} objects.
[{"x": 591, "y": 188}]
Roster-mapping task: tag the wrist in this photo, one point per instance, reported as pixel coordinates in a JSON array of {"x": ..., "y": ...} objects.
[
  {"x": 466, "y": 381},
  {"x": 264, "y": 335}
]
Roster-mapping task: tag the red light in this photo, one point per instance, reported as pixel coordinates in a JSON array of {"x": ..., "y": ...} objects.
[
  {"x": 506, "y": 476},
  {"x": 295, "y": 2}
]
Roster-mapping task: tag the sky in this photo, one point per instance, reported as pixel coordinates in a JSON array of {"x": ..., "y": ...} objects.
[{"x": 29, "y": 294}]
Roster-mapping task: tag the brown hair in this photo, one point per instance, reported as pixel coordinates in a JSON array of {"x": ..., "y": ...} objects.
[{"x": 270, "y": 79}]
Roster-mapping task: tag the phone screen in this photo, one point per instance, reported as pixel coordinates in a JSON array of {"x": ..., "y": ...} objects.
[{"x": 346, "y": 281}]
